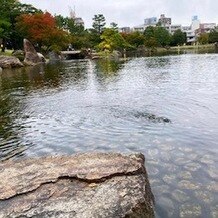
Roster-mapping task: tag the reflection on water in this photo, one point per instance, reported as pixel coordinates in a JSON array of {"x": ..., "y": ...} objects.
[{"x": 164, "y": 107}]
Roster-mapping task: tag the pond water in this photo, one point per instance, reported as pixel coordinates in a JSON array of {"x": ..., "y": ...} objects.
[{"x": 164, "y": 107}]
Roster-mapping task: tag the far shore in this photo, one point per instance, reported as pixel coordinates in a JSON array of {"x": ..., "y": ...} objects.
[{"x": 175, "y": 49}]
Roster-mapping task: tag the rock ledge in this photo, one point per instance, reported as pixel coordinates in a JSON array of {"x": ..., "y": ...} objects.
[
  {"x": 9, "y": 62},
  {"x": 84, "y": 185}
]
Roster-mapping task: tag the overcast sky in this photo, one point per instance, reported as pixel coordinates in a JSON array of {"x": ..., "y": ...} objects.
[{"x": 133, "y": 12}]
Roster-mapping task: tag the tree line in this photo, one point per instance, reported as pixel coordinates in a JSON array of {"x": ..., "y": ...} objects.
[{"x": 47, "y": 32}]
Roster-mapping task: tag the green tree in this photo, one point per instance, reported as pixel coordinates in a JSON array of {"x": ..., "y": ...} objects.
[
  {"x": 213, "y": 35},
  {"x": 4, "y": 32},
  {"x": 135, "y": 39},
  {"x": 203, "y": 38},
  {"x": 9, "y": 11},
  {"x": 178, "y": 38},
  {"x": 162, "y": 36},
  {"x": 99, "y": 23},
  {"x": 68, "y": 24},
  {"x": 114, "y": 26},
  {"x": 94, "y": 38},
  {"x": 150, "y": 39},
  {"x": 62, "y": 22},
  {"x": 156, "y": 36},
  {"x": 111, "y": 40}
]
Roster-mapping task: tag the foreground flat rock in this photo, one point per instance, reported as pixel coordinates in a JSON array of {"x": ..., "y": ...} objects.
[
  {"x": 85, "y": 185},
  {"x": 9, "y": 62}
]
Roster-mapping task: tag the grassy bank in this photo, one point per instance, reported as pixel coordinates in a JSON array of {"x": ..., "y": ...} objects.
[
  {"x": 207, "y": 46},
  {"x": 7, "y": 52},
  {"x": 198, "y": 49}
]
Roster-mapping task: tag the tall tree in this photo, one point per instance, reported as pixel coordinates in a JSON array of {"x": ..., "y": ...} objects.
[
  {"x": 99, "y": 23},
  {"x": 203, "y": 38},
  {"x": 9, "y": 11},
  {"x": 111, "y": 40},
  {"x": 135, "y": 39},
  {"x": 114, "y": 26},
  {"x": 213, "y": 35},
  {"x": 178, "y": 38},
  {"x": 162, "y": 36},
  {"x": 68, "y": 24},
  {"x": 41, "y": 29},
  {"x": 150, "y": 39}
]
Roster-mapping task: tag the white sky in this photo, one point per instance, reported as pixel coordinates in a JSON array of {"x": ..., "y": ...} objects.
[{"x": 133, "y": 12}]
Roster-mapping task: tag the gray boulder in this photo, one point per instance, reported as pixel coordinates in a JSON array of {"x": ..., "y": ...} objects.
[
  {"x": 9, "y": 62},
  {"x": 80, "y": 186},
  {"x": 42, "y": 57},
  {"x": 31, "y": 56},
  {"x": 54, "y": 57}
]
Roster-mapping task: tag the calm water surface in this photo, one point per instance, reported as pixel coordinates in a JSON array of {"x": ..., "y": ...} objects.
[{"x": 164, "y": 107}]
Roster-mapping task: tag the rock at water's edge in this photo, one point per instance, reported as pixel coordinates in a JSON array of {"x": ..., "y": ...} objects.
[
  {"x": 31, "y": 56},
  {"x": 54, "y": 57},
  {"x": 9, "y": 62},
  {"x": 85, "y": 185},
  {"x": 42, "y": 57}
]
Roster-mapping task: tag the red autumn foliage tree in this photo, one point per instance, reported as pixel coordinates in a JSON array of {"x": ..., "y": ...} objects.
[{"x": 41, "y": 29}]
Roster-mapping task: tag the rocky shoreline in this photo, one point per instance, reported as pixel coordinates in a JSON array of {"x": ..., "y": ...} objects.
[
  {"x": 84, "y": 185},
  {"x": 31, "y": 58}
]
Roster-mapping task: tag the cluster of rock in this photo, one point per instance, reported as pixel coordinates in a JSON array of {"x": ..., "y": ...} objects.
[
  {"x": 9, "y": 62},
  {"x": 83, "y": 185},
  {"x": 31, "y": 57}
]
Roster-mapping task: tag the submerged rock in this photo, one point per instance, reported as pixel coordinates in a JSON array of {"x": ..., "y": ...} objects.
[
  {"x": 190, "y": 210},
  {"x": 31, "y": 56},
  {"x": 84, "y": 185},
  {"x": 180, "y": 196},
  {"x": 189, "y": 185},
  {"x": 152, "y": 117},
  {"x": 9, "y": 62}
]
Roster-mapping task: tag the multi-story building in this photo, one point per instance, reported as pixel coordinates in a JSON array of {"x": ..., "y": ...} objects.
[
  {"x": 140, "y": 28},
  {"x": 164, "y": 21},
  {"x": 125, "y": 30},
  {"x": 190, "y": 30},
  {"x": 151, "y": 21},
  {"x": 205, "y": 28},
  {"x": 174, "y": 28},
  {"x": 78, "y": 21}
]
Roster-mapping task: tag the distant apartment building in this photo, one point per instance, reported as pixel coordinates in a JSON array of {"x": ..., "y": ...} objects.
[
  {"x": 78, "y": 21},
  {"x": 195, "y": 23},
  {"x": 190, "y": 30},
  {"x": 151, "y": 21},
  {"x": 125, "y": 30},
  {"x": 164, "y": 21},
  {"x": 205, "y": 28},
  {"x": 174, "y": 28},
  {"x": 140, "y": 28}
]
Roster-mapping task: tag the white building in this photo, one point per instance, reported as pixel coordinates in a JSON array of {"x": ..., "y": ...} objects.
[
  {"x": 190, "y": 30},
  {"x": 77, "y": 20},
  {"x": 124, "y": 30},
  {"x": 140, "y": 28},
  {"x": 174, "y": 28}
]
